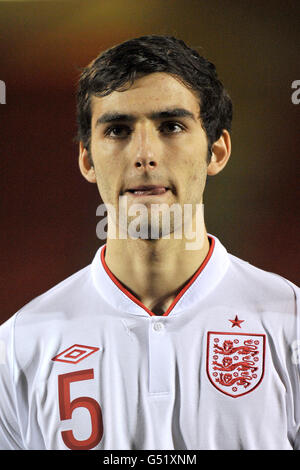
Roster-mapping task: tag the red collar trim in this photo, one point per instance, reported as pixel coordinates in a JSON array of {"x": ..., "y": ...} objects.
[{"x": 179, "y": 295}]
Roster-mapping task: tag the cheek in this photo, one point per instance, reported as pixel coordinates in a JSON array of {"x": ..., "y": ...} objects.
[
  {"x": 105, "y": 170},
  {"x": 196, "y": 180},
  {"x": 104, "y": 181},
  {"x": 196, "y": 168}
]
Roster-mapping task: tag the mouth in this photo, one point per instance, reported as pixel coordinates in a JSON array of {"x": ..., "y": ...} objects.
[{"x": 147, "y": 190}]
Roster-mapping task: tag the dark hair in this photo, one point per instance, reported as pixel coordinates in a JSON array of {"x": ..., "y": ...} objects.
[{"x": 118, "y": 67}]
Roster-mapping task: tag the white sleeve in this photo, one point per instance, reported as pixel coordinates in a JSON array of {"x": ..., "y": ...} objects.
[
  {"x": 10, "y": 438},
  {"x": 295, "y": 354}
]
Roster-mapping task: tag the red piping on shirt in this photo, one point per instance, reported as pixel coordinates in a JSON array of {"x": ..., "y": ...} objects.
[{"x": 179, "y": 295}]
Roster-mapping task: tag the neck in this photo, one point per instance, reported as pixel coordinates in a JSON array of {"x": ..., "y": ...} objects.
[{"x": 155, "y": 271}]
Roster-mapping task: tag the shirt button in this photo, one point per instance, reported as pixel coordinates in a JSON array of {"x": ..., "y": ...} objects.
[{"x": 158, "y": 326}]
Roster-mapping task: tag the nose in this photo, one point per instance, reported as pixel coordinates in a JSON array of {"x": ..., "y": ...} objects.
[
  {"x": 145, "y": 163},
  {"x": 145, "y": 148}
]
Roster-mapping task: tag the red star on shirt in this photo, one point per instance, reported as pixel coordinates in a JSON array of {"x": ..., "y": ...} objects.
[{"x": 236, "y": 322}]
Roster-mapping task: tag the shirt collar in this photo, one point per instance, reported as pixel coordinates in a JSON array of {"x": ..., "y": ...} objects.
[{"x": 206, "y": 278}]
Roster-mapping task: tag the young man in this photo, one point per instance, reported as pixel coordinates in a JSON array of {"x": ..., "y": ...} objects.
[{"x": 165, "y": 341}]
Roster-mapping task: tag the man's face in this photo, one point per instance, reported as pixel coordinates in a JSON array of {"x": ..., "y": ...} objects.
[{"x": 149, "y": 135}]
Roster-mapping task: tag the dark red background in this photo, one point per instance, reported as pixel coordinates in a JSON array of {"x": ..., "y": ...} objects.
[{"x": 48, "y": 218}]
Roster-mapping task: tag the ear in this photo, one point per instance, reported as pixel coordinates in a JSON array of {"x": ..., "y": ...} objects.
[
  {"x": 85, "y": 165},
  {"x": 221, "y": 150}
]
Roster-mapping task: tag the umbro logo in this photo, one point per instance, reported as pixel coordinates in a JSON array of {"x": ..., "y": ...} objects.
[{"x": 75, "y": 354}]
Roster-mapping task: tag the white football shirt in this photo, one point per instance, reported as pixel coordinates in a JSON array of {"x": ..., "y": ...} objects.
[{"x": 87, "y": 366}]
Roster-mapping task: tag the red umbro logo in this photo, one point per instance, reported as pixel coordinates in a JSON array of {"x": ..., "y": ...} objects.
[{"x": 75, "y": 354}]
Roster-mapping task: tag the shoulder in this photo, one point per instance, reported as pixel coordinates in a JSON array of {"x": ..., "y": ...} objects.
[
  {"x": 52, "y": 304},
  {"x": 263, "y": 286},
  {"x": 48, "y": 318},
  {"x": 61, "y": 293}
]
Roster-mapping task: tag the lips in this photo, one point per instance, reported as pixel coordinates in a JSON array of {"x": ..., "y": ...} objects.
[{"x": 147, "y": 190}]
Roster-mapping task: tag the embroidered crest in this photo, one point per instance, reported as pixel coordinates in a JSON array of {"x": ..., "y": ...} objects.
[{"x": 235, "y": 361}]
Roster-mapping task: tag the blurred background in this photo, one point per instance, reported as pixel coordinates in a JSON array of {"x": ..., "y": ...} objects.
[{"x": 48, "y": 211}]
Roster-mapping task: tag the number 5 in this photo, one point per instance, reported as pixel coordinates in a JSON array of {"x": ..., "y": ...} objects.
[{"x": 66, "y": 408}]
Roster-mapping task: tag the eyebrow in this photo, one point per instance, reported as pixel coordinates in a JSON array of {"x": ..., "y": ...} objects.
[{"x": 163, "y": 114}]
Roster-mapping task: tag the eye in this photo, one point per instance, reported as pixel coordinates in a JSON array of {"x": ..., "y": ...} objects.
[
  {"x": 118, "y": 131},
  {"x": 171, "y": 127}
]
